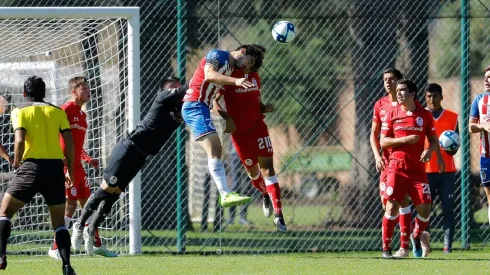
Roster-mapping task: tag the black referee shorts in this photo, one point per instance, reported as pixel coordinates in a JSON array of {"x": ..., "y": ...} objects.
[
  {"x": 44, "y": 176},
  {"x": 125, "y": 162}
]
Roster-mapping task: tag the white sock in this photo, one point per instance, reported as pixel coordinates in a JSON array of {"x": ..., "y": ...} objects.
[
  {"x": 217, "y": 171},
  {"x": 68, "y": 221},
  {"x": 406, "y": 210}
]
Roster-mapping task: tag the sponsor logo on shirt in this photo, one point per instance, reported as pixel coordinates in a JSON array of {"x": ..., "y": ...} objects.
[
  {"x": 76, "y": 126},
  {"x": 419, "y": 121},
  {"x": 408, "y": 128}
]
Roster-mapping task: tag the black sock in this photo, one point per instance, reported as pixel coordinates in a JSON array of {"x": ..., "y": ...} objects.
[
  {"x": 62, "y": 238},
  {"x": 104, "y": 210},
  {"x": 5, "y": 226},
  {"x": 92, "y": 204}
]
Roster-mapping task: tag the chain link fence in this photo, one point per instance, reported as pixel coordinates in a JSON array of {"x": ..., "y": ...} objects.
[{"x": 324, "y": 86}]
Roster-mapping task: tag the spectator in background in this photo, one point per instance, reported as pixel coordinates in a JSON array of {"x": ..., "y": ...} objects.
[{"x": 442, "y": 184}]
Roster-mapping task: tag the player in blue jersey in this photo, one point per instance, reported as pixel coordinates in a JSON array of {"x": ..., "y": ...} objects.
[
  {"x": 480, "y": 123},
  {"x": 213, "y": 72}
]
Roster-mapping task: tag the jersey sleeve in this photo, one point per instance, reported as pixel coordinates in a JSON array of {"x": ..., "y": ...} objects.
[
  {"x": 430, "y": 129},
  {"x": 474, "y": 110},
  {"x": 387, "y": 126},
  {"x": 216, "y": 58},
  {"x": 18, "y": 120},
  {"x": 64, "y": 123},
  {"x": 376, "y": 117}
]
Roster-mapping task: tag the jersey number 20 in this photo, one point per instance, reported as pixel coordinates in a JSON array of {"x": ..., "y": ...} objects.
[{"x": 265, "y": 143}]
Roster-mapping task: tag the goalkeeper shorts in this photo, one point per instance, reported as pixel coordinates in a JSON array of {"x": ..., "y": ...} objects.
[{"x": 125, "y": 162}]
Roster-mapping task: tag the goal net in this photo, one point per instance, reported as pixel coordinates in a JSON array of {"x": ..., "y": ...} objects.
[{"x": 58, "y": 44}]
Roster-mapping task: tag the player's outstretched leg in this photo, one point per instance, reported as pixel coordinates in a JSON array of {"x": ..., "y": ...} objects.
[
  {"x": 99, "y": 216},
  {"x": 92, "y": 204},
  {"x": 274, "y": 191},
  {"x": 211, "y": 144}
]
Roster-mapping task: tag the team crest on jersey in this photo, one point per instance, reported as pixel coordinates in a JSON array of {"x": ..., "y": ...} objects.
[
  {"x": 483, "y": 175},
  {"x": 112, "y": 180},
  {"x": 419, "y": 121},
  {"x": 389, "y": 191},
  {"x": 73, "y": 191},
  {"x": 215, "y": 55}
]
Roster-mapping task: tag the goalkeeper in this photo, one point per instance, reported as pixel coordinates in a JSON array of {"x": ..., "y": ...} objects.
[{"x": 129, "y": 156}]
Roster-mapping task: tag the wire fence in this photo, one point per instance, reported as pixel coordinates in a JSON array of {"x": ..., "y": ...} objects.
[{"x": 324, "y": 85}]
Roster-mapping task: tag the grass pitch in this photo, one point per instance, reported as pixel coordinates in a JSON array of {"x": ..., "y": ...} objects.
[{"x": 459, "y": 262}]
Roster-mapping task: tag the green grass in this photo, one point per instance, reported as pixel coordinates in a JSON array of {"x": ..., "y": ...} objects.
[{"x": 459, "y": 262}]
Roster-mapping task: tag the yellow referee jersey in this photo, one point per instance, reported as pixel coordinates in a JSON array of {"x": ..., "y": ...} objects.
[{"x": 43, "y": 123}]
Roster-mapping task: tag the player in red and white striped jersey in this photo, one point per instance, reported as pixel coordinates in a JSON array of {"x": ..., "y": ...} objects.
[{"x": 480, "y": 123}]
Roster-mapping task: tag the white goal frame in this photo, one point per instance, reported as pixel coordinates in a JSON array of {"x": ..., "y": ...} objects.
[{"x": 132, "y": 14}]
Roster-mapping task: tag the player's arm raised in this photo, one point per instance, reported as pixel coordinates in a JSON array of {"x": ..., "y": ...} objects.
[
  {"x": 217, "y": 108},
  {"x": 211, "y": 75}
]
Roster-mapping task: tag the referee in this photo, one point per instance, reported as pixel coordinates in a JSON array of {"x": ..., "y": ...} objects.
[
  {"x": 129, "y": 156},
  {"x": 38, "y": 158}
]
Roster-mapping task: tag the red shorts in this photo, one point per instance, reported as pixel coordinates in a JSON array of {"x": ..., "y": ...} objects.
[
  {"x": 80, "y": 189},
  {"x": 253, "y": 144},
  {"x": 400, "y": 183}
]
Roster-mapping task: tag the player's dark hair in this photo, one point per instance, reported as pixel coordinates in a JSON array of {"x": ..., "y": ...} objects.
[
  {"x": 256, "y": 52},
  {"x": 434, "y": 88},
  {"x": 35, "y": 88},
  {"x": 486, "y": 69},
  {"x": 394, "y": 72},
  {"x": 76, "y": 82},
  {"x": 412, "y": 87},
  {"x": 168, "y": 80}
]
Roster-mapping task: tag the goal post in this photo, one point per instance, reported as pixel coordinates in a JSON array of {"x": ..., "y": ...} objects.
[{"x": 54, "y": 39}]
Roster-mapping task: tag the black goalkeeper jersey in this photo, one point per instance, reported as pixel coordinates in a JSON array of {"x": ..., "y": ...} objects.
[{"x": 160, "y": 122}]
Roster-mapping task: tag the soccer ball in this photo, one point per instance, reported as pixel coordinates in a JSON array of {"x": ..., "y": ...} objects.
[
  {"x": 283, "y": 32},
  {"x": 449, "y": 140}
]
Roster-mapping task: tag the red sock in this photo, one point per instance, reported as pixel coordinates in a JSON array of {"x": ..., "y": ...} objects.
[
  {"x": 97, "y": 241},
  {"x": 55, "y": 245},
  {"x": 405, "y": 220},
  {"x": 420, "y": 226},
  {"x": 275, "y": 193},
  {"x": 388, "y": 229},
  {"x": 259, "y": 184}
]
